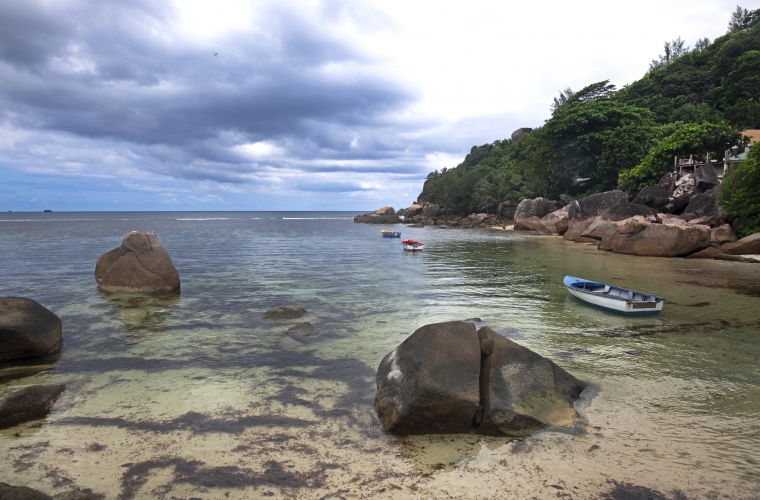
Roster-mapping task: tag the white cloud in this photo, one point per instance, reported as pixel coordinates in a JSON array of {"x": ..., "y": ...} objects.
[{"x": 262, "y": 150}]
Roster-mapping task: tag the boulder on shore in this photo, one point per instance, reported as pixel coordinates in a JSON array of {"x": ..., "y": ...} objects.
[
  {"x": 653, "y": 197},
  {"x": 448, "y": 377},
  {"x": 723, "y": 234},
  {"x": 555, "y": 222},
  {"x": 705, "y": 178},
  {"x": 745, "y": 246},
  {"x": 664, "y": 236},
  {"x": 27, "y": 329},
  {"x": 529, "y": 213},
  {"x": 603, "y": 222},
  {"x": 702, "y": 205},
  {"x": 285, "y": 312},
  {"x": 27, "y": 404},
  {"x": 140, "y": 264},
  {"x": 410, "y": 212},
  {"x": 718, "y": 254},
  {"x": 581, "y": 213}
]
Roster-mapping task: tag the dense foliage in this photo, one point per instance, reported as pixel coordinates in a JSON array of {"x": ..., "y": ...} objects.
[
  {"x": 692, "y": 101},
  {"x": 740, "y": 192}
]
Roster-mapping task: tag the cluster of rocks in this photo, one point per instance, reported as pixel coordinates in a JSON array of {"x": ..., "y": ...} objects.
[
  {"x": 678, "y": 217},
  {"x": 27, "y": 330},
  {"x": 422, "y": 214},
  {"x": 450, "y": 377},
  {"x": 385, "y": 215},
  {"x": 291, "y": 312}
]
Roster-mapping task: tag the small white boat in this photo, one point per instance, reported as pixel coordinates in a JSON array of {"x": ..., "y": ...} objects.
[
  {"x": 613, "y": 298},
  {"x": 412, "y": 245}
]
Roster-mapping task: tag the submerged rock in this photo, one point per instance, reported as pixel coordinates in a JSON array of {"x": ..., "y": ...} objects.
[
  {"x": 670, "y": 237},
  {"x": 306, "y": 329},
  {"x": 27, "y": 329},
  {"x": 285, "y": 312},
  {"x": 448, "y": 377},
  {"x": 8, "y": 492},
  {"x": 29, "y": 403},
  {"x": 140, "y": 264}
]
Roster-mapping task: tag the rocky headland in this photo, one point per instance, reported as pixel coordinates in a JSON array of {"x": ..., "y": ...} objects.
[{"x": 678, "y": 217}]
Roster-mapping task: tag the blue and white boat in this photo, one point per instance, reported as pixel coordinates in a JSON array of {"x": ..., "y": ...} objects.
[
  {"x": 391, "y": 234},
  {"x": 614, "y": 298}
]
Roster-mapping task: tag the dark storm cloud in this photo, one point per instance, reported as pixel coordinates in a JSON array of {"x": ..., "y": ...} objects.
[{"x": 120, "y": 72}]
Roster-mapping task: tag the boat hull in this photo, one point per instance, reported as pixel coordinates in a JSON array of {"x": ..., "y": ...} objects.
[
  {"x": 413, "y": 248},
  {"x": 392, "y": 235},
  {"x": 614, "y": 299}
]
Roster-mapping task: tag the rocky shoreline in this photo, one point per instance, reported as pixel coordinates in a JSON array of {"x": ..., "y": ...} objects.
[{"x": 678, "y": 217}]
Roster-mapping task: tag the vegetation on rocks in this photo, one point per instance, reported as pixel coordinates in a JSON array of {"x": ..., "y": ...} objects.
[
  {"x": 740, "y": 193},
  {"x": 691, "y": 101}
]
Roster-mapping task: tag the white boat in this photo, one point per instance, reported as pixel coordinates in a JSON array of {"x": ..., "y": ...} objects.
[
  {"x": 614, "y": 298},
  {"x": 412, "y": 245}
]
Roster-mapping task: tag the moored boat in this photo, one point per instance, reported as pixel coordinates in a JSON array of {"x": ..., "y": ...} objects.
[
  {"x": 614, "y": 298},
  {"x": 391, "y": 234},
  {"x": 412, "y": 245}
]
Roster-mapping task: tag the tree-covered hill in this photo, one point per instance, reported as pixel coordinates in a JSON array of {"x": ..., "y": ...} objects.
[{"x": 692, "y": 101}]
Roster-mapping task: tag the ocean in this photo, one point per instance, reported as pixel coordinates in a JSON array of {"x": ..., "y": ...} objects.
[{"x": 194, "y": 395}]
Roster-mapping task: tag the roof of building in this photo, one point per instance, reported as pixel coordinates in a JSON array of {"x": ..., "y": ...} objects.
[{"x": 754, "y": 135}]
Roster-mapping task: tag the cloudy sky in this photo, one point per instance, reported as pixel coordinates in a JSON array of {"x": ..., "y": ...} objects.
[{"x": 293, "y": 105}]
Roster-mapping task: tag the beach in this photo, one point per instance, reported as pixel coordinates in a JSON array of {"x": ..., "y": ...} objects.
[{"x": 195, "y": 395}]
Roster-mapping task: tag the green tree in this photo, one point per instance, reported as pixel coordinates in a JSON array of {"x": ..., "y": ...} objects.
[
  {"x": 692, "y": 138},
  {"x": 740, "y": 192},
  {"x": 593, "y": 136}
]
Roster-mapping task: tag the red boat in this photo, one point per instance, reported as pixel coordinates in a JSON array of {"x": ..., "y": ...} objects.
[{"x": 412, "y": 245}]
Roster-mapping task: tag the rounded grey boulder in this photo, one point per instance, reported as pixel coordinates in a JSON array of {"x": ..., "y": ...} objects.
[
  {"x": 448, "y": 377},
  {"x": 140, "y": 264},
  {"x": 27, "y": 329}
]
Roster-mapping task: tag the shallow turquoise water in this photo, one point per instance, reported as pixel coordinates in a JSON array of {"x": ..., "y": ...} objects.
[{"x": 202, "y": 397}]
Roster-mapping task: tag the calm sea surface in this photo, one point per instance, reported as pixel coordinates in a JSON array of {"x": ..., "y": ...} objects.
[{"x": 196, "y": 396}]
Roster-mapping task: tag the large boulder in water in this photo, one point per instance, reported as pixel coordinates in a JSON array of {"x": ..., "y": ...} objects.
[
  {"x": 746, "y": 246},
  {"x": 140, "y": 264},
  {"x": 430, "y": 211},
  {"x": 429, "y": 383},
  {"x": 521, "y": 391},
  {"x": 410, "y": 212},
  {"x": 615, "y": 213},
  {"x": 448, "y": 377},
  {"x": 581, "y": 213},
  {"x": 665, "y": 236},
  {"x": 27, "y": 404},
  {"x": 27, "y": 329}
]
